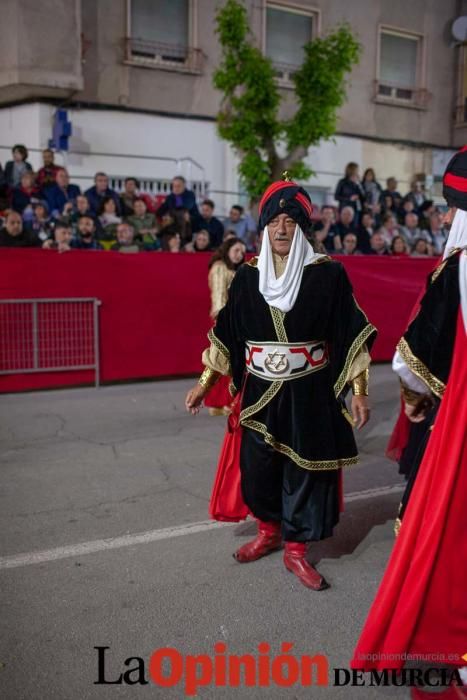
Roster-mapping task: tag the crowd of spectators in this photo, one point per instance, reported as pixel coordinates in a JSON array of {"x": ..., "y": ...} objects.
[{"x": 45, "y": 210}]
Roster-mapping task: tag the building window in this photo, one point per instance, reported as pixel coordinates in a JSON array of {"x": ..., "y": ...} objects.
[
  {"x": 399, "y": 72},
  {"x": 161, "y": 35},
  {"x": 287, "y": 30},
  {"x": 461, "y": 104}
]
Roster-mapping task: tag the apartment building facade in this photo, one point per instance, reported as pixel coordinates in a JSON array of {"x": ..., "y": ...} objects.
[{"x": 135, "y": 77}]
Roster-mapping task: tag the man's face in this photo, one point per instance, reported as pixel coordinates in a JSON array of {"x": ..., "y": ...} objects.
[
  {"x": 62, "y": 178},
  {"x": 130, "y": 187},
  {"x": 27, "y": 181},
  {"x": 14, "y": 224},
  {"x": 48, "y": 158},
  {"x": 234, "y": 215},
  {"x": 202, "y": 240},
  {"x": 392, "y": 184},
  {"x": 63, "y": 235},
  {"x": 350, "y": 242},
  {"x": 411, "y": 220},
  {"x": 377, "y": 242},
  {"x": 206, "y": 211},
  {"x": 435, "y": 221},
  {"x": 82, "y": 204},
  {"x": 327, "y": 215},
  {"x": 347, "y": 215},
  {"x": 139, "y": 207},
  {"x": 124, "y": 234},
  {"x": 102, "y": 182},
  {"x": 86, "y": 227},
  {"x": 281, "y": 231},
  {"x": 448, "y": 217},
  {"x": 178, "y": 186},
  {"x": 367, "y": 220}
]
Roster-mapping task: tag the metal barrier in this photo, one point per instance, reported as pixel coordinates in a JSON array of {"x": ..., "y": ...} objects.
[{"x": 49, "y": 335}]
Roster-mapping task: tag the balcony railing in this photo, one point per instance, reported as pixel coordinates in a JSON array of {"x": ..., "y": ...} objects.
[
  {"x": 405, "y": 96},
  {"x": 150, "y": 54}
]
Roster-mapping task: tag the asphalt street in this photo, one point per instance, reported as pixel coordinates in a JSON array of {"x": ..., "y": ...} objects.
[{"x": 105, "y": 541}]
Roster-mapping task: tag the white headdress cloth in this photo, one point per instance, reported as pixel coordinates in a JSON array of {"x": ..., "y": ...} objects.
[
  {"x": 458, "y": 239},
  {"x": 282, "y": 292}
]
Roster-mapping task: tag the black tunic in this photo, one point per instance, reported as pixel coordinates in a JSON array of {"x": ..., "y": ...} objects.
[{"x": 303, "y": 418}]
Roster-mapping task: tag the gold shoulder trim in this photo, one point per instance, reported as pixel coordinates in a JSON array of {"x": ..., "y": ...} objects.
[
  {"x": 420, "y": 369},
  {"x": 397, "y": 526},
  {"x": 312, "y": 465},
  {"x": 361, "y": 338},
  {"x": 268, "y": 395},
  {"x": 219, "y": 345},
  {"x": 325, "y": 258},
  {"x": 253, "y": 262},
  {"x": 278, "y": 320},
  {"x": 443, "y": 264}
]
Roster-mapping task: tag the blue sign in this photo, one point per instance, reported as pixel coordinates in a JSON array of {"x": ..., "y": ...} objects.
[{"x": 61, "y": 131}]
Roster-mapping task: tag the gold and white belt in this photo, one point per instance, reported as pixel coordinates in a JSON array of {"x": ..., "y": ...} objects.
[{"x": 273, "y": 361}]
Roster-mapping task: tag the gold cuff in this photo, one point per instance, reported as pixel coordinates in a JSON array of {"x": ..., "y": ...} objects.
[
  {"x": 409, "y": 396},
  {"x": 208, "y": 378},
  {"x": 360, "y": 383}
]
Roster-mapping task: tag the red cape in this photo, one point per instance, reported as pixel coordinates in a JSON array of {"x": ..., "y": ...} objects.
[{"x": 421, "y": 605}]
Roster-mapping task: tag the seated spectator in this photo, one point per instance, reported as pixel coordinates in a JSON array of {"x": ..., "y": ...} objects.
[
  {"x": 325, "y": 229},
  {"x": 211, "y": 224},
  {"x": 372, "y": 190},
  {"x": 349, "y": 245},
  {"x": 130, "y": 194},
  {"x": 47, "y": 174},
  {"x": 108, "y": 221},
  {"x": 125, "y": 239},
  {"x": 41, "y": 223},
  {"x": 365, "y": 232},
  {"x": 25, "y": 196},
  {"x": 72, "y": 212},
  {"x": 407, "y": 208},
  {"x": 438, "y": 235},
  {"x": 411, "y": 229},
  {"x": 60, "y": 240},
  {"x": 12, "y": 235},
  {"x": 15, "y": 168},
  {"x": 390, "y": 227},
  {"x": 344, "y": 225},
  {"x": 200, "y": 244},
  {"x": 183, "y": 224},
  {"x": 378, "y": 244},
  {"x": 426, "y": 210},
  {"x": 416, "y": 195},
  {"x": 100, "y": 191},
  {"x": 144, "y": 223},
  {"x": 349, "y": 191},
  {"x": 242, "y": 225},
  {"x": 181, "y": 198},
  {"x": 421, "y": 248},
  {"x": 390, "y": 198},
  {"x": 399, "y": 246},
  {"x": 85, "y": 240},
  {"x": 61, "y": 195},
  {"x": 172, "y": 243}
]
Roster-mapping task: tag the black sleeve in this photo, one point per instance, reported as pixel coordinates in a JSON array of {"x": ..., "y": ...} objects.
[
  {"x": 428, "y": 344},
  {"x": 339, "y": 195},
  {"x": 350, "y": 330}
]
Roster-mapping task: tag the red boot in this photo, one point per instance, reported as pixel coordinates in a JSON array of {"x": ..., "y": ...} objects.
[
  {"x": 294, "y": 560},
  {"x": 266, "y": 541}
]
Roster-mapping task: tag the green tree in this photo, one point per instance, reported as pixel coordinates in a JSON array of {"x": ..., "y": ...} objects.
[{"x": 249, "y": 113}]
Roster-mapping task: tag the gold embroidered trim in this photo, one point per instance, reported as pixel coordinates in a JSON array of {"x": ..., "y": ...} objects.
[
  {"x": 278, "y": 320},
  {"x": 421, "y": 370},
  {"x": 232, "y": 389},
  {"x": 253, "y": 262},
  {"x": 325, "y": 258},
  {"x": 361, "y": 338},
  {"x": 316, "y": 465},
  {"x": 442, "y": 265},
  {"x": 397, "y": 526},
  {"x": 268, "y": 395},
  {"x": 219, "y": 345}
]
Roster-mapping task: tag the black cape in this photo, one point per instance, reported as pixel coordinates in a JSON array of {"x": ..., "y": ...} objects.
[{"x": 304, "y": 418}]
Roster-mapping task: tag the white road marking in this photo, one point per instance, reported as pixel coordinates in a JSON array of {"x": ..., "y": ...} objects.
[{"x": 77, "y": 550}]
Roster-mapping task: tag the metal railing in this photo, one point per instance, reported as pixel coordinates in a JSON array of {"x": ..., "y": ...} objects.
[
  {"x": 49, "y": 335},
  {"x": 161, "y": 55}
]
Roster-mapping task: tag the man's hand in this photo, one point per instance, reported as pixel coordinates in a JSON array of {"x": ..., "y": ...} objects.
[
  {"x": 416, "y": 413},
  {"x": 360, "y": 411},
  {"x": 194, "y": 399}
]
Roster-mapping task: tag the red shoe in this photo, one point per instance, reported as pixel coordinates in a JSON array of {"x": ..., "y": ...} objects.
[
  {"x": 266, "y": 541},
  {"x": 294, "y": 560}
]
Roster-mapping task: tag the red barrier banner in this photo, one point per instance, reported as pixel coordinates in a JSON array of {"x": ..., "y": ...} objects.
[{"x": 154, "y": 315}]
